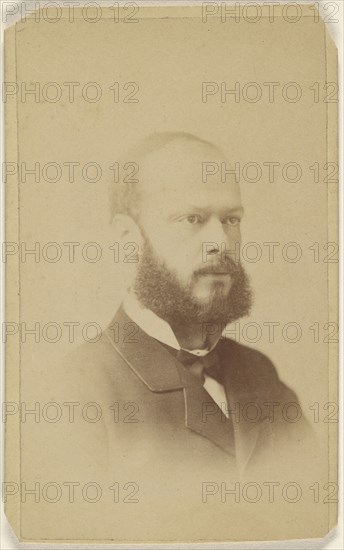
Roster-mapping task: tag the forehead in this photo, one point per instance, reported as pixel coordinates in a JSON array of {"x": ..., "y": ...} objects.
[{"x": 187, "y": 171}]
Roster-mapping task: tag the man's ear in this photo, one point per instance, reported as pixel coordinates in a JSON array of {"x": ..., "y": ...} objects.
[{"x": 126, "y": 229}]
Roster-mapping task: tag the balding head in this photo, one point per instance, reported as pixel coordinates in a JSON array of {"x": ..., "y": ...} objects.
[{"x": 167, "y": 161}]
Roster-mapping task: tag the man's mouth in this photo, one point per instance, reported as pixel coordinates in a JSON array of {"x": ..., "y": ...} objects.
[
  {"x": 214, "y": 272},
  {"x": 223, "y": 275}
]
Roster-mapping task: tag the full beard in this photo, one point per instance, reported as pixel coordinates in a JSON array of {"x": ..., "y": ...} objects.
[{"x": 158, "y": 289}]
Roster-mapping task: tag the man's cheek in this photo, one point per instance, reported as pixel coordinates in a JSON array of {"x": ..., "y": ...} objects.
[{"x": 165, "y": 247}]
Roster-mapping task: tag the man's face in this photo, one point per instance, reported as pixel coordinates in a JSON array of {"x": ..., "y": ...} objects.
[{"x": 180, "y": 216}]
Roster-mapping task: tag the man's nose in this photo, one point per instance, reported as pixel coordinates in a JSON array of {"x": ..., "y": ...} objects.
[
  {"x": 216, "y": 238},
  {"x": 214, "y": 233}
]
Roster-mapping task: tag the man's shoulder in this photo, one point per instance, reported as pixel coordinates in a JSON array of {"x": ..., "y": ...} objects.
[{"x": 83, "y": 371}]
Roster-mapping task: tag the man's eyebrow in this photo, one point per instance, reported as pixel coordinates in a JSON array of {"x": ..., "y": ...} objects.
[
  {"x": 189, "y": 207},
  {"x": 223, "y": 209}
]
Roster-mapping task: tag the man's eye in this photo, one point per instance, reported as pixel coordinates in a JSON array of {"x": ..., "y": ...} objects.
[
  {"x": 232, "y": 220},
  {"x": 193, "y": 219}
]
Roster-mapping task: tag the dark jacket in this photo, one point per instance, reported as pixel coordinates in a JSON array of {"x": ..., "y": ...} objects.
[{"x": 147, "y": 396}]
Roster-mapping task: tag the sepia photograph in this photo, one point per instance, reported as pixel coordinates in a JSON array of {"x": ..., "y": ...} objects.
[{"x": 171, "y": 256}]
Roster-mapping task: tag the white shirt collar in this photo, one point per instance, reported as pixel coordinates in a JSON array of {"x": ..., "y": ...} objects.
[{"x": 153, "y": 325}]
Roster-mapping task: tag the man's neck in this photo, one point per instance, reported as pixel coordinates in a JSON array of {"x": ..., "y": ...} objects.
[{"x": 196, "y": 336}]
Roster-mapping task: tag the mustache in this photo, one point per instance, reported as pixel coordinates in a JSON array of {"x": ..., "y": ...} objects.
[{"x": 228, "y": 267}]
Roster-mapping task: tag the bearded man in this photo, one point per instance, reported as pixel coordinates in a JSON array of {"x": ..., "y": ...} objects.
[
  {"x": 176, "y": 399},
  {"x": 196, "y": 390}
]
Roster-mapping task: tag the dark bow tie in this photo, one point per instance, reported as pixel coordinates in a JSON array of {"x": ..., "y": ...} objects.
[{"x": 199, "y": 366}]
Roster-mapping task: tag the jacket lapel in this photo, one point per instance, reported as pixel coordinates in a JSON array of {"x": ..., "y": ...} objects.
[
  {"x": 149, "y": 360},
  {"x": 242, "y": 399}
]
